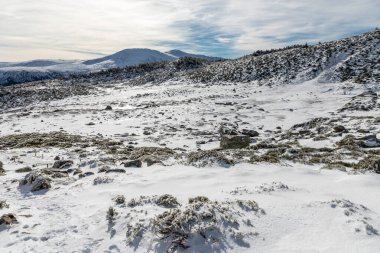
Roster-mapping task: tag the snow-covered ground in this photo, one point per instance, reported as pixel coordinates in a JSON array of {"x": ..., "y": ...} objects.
[
  {"x": 301, "y": 207},
  {"x": 188, "y": 108}
]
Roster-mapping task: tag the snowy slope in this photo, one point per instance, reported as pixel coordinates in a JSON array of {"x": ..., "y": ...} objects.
[
  {"x": 296, "y": 204},
  {"x": 355, "y": 59}
]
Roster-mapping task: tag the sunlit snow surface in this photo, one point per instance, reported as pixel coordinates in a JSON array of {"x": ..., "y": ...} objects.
[{"x": 320, "y": 211}]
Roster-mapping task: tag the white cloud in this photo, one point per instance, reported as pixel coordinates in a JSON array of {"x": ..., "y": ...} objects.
[{"x": 63, "y": 29}]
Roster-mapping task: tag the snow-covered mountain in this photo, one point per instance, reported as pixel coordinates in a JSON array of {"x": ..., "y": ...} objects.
[
  {"x": 20, "y": 72},
  {"x": 130, "y": 57}
]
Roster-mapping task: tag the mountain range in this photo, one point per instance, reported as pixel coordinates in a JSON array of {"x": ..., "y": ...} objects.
[{"x": 20, "y": 72}]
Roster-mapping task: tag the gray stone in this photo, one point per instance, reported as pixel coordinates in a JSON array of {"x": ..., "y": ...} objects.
[
  {"x": 339, "y": 129},
  {"x": 2, "y": 171},
  {"x": 370, "y": 141},
  {"x": 62, "y": 164},
  {"x": 37, "y": 181},
  {"x": 42, "y": 183},
  {"x": 115, "y": 171},
  {"x": 250, "y": 133},
  {"x": 24, "y": 170},
  {"x": 376, "y": 166},
  {"x": 150, "y": 160},
  {"x": 134, "y": 163}
]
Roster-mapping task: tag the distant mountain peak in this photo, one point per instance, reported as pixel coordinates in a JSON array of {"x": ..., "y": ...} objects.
[{"x": 180, "y": 54}]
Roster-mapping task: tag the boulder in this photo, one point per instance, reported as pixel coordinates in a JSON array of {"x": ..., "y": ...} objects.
[
  {"x": 37, "y": 181},
  {"x": 108, "y": 108},
  {"x": 115, "y": 171},
  {"x": 86, "y": 174},
  {"x": 42, "y": 183},
  {"x": 370, "y": 141},
  {"x": 24, "y": 170},
  {"x": 150, "y": 160},
  {"x": 62, "y": 164},
  {"x": 134, "y": 163},
  {"x": 235, "y": 141},
  {"x": 339, "y": 129},
  {"x": 8, "y": 219},
  {"x": 2, "y": 171},
  {"x": 250, "y": 133},
  {"x": 376, "y": 166},
  {"x": 77, "y": 172}
]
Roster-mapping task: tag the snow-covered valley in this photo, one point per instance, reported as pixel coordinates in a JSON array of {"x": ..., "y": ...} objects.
[
  {"x": 277, "y": 151},
  {"x": 251, "y": 203}
]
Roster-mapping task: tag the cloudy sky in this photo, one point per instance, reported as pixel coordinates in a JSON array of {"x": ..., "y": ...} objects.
[{"x": 83, "y": 29}]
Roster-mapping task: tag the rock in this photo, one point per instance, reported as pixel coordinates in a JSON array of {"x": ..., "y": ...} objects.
[
  {"x": 42, "y": 183},
  {"x": 134, "y": 163},
  {"x": 339, "y": 129},
  {"x": 147, "y": 133},
  {"x": 86, "y": 174},
  {"x": 104, "y": 168},
  {"x": 55, "y": 173},
  {"x": 57, "y": 158},
  {"x": 24, "y": 170},
  {"x": 108, "y": 108},
  {"x": 376, "y": 166},
  {"x": 250, "y": 133},
  {"x": 90, "y": 124},
  {"x": 115, "y": 171},
  {"x": 102, "y": 180},
  {"x": 235, "y": 141},
  {"x": 37, "y": 181},
  {"x": 3, "y": 204},
  {"x": 150, "y": 160},
  {"x": 62, "y": 164},
  {"x": 77, "y": 171},
  {"x": 8, "y": 219},
  {"x": 89, "y": 173},
  {"x": 2, "y": 171},
  {"x": 370, "y": 141}
]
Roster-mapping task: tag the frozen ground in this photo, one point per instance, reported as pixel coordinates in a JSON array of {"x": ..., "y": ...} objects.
[
  {"x": 301, "y": 205},
  {"x": 175, "y": 113}
]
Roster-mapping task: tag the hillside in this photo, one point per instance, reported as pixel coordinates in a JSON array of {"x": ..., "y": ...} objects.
[{"x": 354, "y": 59}]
